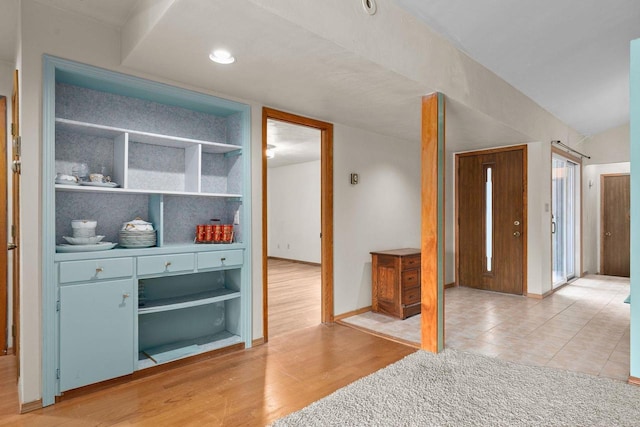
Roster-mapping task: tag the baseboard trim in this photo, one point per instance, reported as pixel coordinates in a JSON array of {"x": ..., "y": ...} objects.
[
  {"x": 450, "y": 285},
  {"x": 315, "y": 264},
  {"x": 381, "y": 335},
  {"x": 542, "y": 296},
  {"x": 634, "y": 380},
  {"x": 31, "y": 406},
  {"x": 351, "y": 313},
  {"x": 257, "y": 342}
]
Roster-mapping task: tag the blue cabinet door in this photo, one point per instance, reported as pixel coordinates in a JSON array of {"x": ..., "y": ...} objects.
[{"x": 96, "y": 332}]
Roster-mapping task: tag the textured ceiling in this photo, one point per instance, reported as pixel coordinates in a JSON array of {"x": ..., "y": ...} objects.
[{"x": 570, "y": 56}]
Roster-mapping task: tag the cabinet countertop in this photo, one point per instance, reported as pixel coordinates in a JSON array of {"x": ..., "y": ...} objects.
[
  {"x": 398, "y": 252},
  {"x": 155, "y": 250}
]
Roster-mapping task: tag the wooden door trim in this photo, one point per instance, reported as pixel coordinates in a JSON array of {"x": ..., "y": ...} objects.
[
  {"x": 525, "y": 205},
  {"x": 326, "y": 215},
  {"x": 602, "y": 178},
  {"x": 15, "y": 197},
  {"x": 4, "y": 256}
]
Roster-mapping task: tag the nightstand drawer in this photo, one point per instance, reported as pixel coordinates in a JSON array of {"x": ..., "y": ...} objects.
[
  {"x": 172, "y": 263},
  {"x": 95, "y": 269},
  {"x": 412, "y": 261},
  {"x": 411, "y": 296},
  {"x": 410, "y": 279},
  {"x": 219, "y": 259}
]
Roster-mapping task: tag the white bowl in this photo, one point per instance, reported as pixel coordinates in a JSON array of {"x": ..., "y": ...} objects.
[{"x": 83, "y": 240}]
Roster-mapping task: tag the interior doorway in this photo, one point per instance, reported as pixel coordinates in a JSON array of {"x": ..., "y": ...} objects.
[
  {"x": 297, "y": 222},
  {"x": 565, "y": 217},
  {"x": 615, "y": 225},
  {"x": 491, "y": 226}
]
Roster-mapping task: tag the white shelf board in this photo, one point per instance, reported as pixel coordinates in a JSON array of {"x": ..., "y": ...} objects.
[
  {"x": 186, "y": 301},
  {"x": 143, "y": 137},
  {"x": 90, "y": 189},
  {"x": 207, "y": 343}
]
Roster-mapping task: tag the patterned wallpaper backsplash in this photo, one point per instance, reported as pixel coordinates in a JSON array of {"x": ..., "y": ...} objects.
[
  {"x": 110, "y": 210},
  {"x": 92, "y": 106}
]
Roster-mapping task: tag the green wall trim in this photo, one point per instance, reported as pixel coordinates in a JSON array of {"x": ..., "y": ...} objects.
[
  {"x": 634, "y": 115},
  {"x": 441, "y": 219}
]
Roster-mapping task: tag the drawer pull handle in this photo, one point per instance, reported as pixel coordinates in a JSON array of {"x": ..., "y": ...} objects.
[
  {"x": 99, "y": 270},
  {"x": 223, "y": 259},
  {"x": 167, "y": 264}
]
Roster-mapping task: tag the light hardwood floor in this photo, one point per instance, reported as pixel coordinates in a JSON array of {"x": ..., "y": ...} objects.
[
  {"x": 252, "y": 387},
  {"x": 294, "y": 296}
]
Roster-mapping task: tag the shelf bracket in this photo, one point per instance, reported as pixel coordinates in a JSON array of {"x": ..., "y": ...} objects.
[{"x": 233, "y": 153}]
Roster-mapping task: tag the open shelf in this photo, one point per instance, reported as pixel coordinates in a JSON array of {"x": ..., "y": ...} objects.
[
  {"x": 120, "y": 190},
  {"x": 178, "y": 350},
  {"x": 144, "y": 137},
  {"x": 186, "y": 301}
]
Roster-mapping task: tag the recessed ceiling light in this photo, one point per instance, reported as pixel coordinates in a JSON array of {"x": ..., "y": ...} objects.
[{"x": 222, "y": 56}]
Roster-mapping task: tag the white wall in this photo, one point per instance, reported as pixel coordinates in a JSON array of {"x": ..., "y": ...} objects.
[
  {"x": 293, "y": 229},
  {"x": 591, "y": 211},
  {"x": 381, "y": 212},
  {"x": 611, "y": 146}
]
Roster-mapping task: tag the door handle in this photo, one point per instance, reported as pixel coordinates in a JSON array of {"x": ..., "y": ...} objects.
[
  {"x": 11, "y": 246},
  {"x": 608, "y": 234},
  {"x": 516, "y": 233}
]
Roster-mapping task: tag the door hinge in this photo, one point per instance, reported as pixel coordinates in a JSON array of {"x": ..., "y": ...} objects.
[
  {"x": 58, "y": 373},
  {"x": 58, "y": 305},
  {"x": 13, "y": 129}
]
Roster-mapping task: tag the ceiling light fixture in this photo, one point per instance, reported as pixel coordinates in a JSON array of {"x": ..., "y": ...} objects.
[
  {"x": 222, "y": 56},
  {"x": 270, "y": 151}
]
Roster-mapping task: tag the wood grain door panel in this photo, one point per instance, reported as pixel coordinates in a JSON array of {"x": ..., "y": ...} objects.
[
  {"x": 615, "y": 225},
  {"x": 508, "y": 220}
]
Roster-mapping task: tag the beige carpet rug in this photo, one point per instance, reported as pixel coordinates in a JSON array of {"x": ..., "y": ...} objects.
[{"x": 455, "y": 388}]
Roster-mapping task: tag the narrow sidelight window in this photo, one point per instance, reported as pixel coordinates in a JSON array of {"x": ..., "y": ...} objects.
[{"x": 488, "y": 218}]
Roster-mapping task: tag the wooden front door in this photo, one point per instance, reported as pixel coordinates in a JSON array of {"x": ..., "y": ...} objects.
[
  {"x": 491, "y": 223},
  {"x": 615, "y": 225}
]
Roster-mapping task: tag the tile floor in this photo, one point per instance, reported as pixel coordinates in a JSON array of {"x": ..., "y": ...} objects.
[{"x": 582, "y": 327}]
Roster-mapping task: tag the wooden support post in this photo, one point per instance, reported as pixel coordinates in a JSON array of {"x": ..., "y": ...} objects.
[{"x": 432, "y": 276}]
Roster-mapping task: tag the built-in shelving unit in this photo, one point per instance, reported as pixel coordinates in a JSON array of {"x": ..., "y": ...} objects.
[
  {"x": 187, "y": 301},
  {"x": 179, "y": 158}
]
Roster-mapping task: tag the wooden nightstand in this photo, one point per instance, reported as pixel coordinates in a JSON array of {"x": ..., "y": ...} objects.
[{"x": 395, "y": 282}]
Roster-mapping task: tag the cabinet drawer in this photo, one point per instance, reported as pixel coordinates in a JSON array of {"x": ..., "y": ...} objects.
[
  {"x": 95, "y": 269},
  {"x": 411, "y": 261},
  {"x": 172, "y": 263},
  {"x": 219, "y": 259},
  {"x": 411, "y": 296},
  {"x": 410, "y": 278}
]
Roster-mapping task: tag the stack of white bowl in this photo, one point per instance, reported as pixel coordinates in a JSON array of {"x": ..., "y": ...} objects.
[{"x": 84, "y": 232}]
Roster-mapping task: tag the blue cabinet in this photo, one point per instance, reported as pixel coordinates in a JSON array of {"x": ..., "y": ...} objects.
[
  {"x": 96, "y": 332},
  {"x": 176, "y": 158}
]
